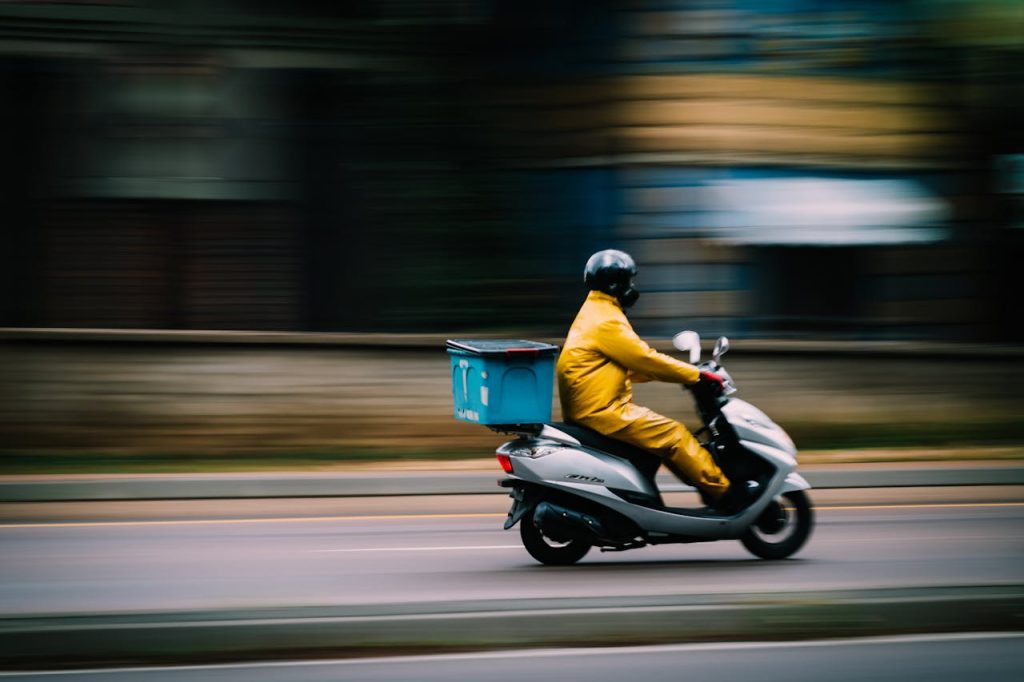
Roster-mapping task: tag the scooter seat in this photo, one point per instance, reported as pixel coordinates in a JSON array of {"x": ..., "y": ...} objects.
[{"x": 643, "y": 460}]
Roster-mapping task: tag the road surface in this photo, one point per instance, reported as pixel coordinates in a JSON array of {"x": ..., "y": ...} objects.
[{"x": 379, "y": 555}]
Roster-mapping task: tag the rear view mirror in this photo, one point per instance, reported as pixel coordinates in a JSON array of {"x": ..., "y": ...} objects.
[
  {"x": 688, "y": 342},
  {"x": 721, "y": 348}
]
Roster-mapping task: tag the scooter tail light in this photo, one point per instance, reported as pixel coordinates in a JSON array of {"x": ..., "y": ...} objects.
[{"x": 506, "y": 462}]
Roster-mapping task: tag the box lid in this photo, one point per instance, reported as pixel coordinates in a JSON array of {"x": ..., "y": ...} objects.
[{"x": 502, "y": 346}]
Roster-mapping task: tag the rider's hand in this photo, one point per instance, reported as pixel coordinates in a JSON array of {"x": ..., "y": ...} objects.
[{"x": 712, "y": 381}]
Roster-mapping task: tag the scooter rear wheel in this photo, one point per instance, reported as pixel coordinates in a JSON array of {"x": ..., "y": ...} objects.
[
  {"x": 783, "y": 527},
  {"x": 548, "y": 551}
]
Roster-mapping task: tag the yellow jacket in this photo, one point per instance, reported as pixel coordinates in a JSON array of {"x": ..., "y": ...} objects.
[{"x": 601, "y": 359}]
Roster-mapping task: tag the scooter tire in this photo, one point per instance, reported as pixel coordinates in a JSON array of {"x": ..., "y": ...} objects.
[
  {"x": 547, "y": 551},
  {"x": 800, "y": 520}
]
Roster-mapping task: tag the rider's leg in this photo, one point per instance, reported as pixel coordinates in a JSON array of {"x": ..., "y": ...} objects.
[
  {"x": 691, "y": 462},
  {"x": 681, "y": 453}
]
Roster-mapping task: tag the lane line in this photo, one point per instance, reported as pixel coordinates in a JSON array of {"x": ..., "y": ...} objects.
[
  {"x": 482, "y": 515},
  {"x": 284, "y": 519},
  {"x": 419, "y": 549},
  {"x": 540, "y": 653},
  {"x": 935, "y": 505}
]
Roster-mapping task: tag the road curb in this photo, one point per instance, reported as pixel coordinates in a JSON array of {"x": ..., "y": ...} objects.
[
  {"x": 265, "y": 634},
  {"x": 237, "y": 486}
]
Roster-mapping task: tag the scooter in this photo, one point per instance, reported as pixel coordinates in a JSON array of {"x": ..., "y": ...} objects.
[{"x": 574, "y": 489}]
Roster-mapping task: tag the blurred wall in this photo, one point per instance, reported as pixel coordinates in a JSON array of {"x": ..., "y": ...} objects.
[
  {"x": 324, "y": 400},
  {"x": 790, "y": 168}
]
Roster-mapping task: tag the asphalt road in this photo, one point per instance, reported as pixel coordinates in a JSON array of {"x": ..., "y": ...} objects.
[
  {"x": 372, "y": 556},
  {"x": 991, "y": 657}
]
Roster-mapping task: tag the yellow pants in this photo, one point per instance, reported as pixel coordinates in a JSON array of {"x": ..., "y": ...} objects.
[{"x": 681, "y": 453}]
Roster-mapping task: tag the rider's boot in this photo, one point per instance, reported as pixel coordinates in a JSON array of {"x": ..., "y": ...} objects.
[{"x": 737, "y": 497}]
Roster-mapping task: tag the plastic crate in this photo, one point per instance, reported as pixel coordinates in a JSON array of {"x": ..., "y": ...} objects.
[{"x": 498, "y": 382}]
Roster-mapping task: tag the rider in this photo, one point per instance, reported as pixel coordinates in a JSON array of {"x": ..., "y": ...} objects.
[{"x": 602, "y": 358}]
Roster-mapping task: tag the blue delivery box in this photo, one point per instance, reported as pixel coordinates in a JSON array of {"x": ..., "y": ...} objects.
[{"x": 498, "y": 382}]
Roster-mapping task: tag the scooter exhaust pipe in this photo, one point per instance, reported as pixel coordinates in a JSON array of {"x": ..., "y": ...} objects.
[{"x": 563, "y": 524}]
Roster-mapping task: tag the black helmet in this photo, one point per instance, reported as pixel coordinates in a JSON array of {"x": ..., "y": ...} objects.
[{"x": 612, "y": 272}]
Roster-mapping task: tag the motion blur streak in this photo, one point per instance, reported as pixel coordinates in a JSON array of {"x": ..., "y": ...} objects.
[
  {"x": 787, "y": 170},
  {"x": 235, "y": 236},
  {"x": 852, "y": 168}
]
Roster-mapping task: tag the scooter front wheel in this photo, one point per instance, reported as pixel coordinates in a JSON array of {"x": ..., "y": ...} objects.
[
  {"x": 548, "y": 551},
  {"x": 783, "y": 528}
]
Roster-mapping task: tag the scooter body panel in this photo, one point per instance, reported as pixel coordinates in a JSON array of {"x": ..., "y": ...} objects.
[
  {"x": 754, "y": 426},
  {"x": 575, "y": 468}
]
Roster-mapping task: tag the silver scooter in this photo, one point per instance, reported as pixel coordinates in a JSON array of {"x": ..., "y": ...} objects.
[{"x": 574, "y": 489}]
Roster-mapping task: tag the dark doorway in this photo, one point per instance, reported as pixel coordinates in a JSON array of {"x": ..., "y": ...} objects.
[{"x": 804, "y": 290}]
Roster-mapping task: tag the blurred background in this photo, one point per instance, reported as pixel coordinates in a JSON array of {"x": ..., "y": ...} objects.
[
  {"x": 825, "y": 171},
  {"x": 235, "y": 235}
]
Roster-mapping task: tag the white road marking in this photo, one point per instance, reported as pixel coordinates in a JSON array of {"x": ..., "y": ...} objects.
[
  {"x": 421, "y": 549},
  {"x": 284, "y": 519}
]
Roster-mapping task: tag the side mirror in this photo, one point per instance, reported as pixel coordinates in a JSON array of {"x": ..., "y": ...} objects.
[
  {"x": 688, "y": 342},
  {"x": 721, "y": 348}
]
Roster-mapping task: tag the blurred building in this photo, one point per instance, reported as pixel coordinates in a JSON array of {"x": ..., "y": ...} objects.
[{"x": 786, "y": 168}]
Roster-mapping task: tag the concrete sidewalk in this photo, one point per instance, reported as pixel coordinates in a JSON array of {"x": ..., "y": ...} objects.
[
  {"x": 48, "y": 642},
  {"x": 467, "y": 478}
]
